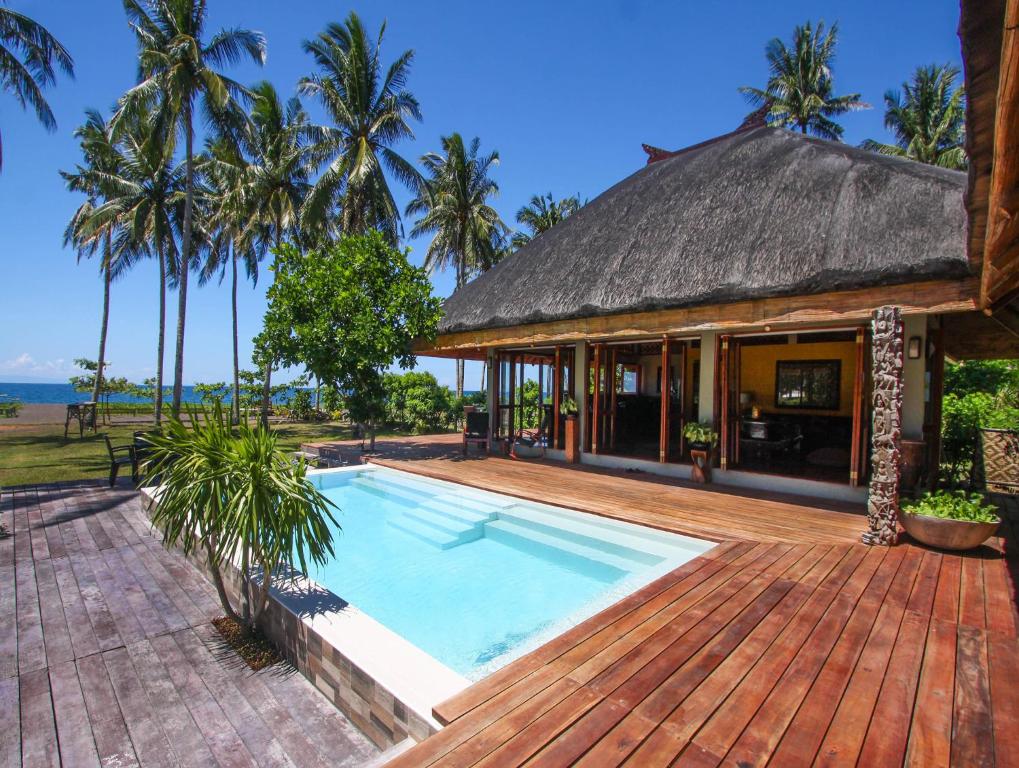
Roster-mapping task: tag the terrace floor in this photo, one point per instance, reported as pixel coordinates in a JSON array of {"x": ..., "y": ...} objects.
[
  {"x": 788, "y": 644},
  {"x": 107, "y": 656}
]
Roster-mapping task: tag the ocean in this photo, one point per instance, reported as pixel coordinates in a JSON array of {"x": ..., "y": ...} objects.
[{"x": 65, "y": 393}]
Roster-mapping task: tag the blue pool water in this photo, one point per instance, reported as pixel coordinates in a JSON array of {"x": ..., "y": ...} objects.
[{"x": 473, "y": 578}]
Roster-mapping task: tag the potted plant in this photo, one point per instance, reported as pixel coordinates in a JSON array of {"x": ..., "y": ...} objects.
[
  {"x": 701, "y": 437},
  {"x": 950, "y": 519},
  {"x": 568, "y": 408}
]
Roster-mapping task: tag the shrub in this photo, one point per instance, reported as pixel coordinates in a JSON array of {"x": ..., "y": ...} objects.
[
  {"x": 695, "y": 432},
  {"x": 961, "y": 421},
  {"x": 300, "y": 405},
  {"x": 953, "y": 505},
  {"x": 231, "y": 492}
]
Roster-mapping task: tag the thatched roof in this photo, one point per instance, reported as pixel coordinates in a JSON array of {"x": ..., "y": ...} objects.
[{"x": 756, "y": 213}]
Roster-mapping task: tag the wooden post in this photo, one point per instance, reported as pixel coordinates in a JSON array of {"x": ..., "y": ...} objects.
[
  {"x": 723, "y": 377},
  {"x": 663, "y": 435},
  {"x": 557, "y": 395},
  {"x": 856, "y": 451},
  {"x": 512, "y": 398},
  {"x": 937, "y": 394},
  {"x": 682, "y": 398},
  {"x": 596, "y": 403},
  {"x": 886, "y": 461},
  {"x": 610, "y": 376}
]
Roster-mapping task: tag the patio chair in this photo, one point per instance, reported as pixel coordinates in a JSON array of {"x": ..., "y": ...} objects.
[
  {"x": 476, "y": 430},
  {"x": 121, "y": 455}
]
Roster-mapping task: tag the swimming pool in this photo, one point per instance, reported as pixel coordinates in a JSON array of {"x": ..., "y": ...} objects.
[{"x": 475, "y": 579}]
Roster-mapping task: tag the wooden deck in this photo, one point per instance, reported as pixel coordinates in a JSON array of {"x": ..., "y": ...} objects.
[
  {"x": 715, "y": 513},
  {"x": 107, "y": 656},
  {"x": 788, "y": 644}
]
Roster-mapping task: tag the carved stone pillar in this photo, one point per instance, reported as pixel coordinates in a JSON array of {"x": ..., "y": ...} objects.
[{"x": 886, "y": 356}]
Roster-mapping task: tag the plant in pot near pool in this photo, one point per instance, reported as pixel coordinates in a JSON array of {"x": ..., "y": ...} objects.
[
  {"x": 950, "y": 519},
  {"x": 700, "y": 437}
]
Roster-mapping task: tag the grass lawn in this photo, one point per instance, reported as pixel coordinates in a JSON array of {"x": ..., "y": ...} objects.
[{"x": 33, "y": 454}]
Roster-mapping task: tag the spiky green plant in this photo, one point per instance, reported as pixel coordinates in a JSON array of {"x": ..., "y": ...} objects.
[
  {"x": 927, "y": 119},
  {"x": 231, "y": 493}
]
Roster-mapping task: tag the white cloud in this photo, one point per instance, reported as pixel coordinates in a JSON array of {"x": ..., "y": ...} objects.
[{"x": 25, "y": 364}]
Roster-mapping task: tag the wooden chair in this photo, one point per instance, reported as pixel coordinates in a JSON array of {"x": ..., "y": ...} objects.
[
  {"x": 121, "y": 455},
  {"x": 475, "y": 429}
]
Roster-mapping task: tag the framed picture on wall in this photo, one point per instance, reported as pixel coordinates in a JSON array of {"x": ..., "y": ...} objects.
[{"x": 808, "y": 384}]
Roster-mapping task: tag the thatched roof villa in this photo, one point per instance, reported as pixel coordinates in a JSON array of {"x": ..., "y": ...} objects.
[{"x": 800, "y": 295}]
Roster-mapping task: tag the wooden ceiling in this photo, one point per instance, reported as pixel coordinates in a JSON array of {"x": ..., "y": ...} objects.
[{"x": 989, "y": 31}]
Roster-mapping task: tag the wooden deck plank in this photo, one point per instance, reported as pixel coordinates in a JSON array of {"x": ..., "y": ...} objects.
[
  {"x": 74, "y": 730},
  {"x": 223, "y": 741},
  {"x": 10, "y": 716},
  {"x": 38, "y": 731},
  {"x": 103, "y": 624},
  {"x": 1003, "y": 671},
  {"x": 972, "y": 729},
  {"x": 930, "y": 739},
  {"x": 56, "y": 635},
  {"x": 143, "y": 720},
  {"x": 8, "y": 622},
  {"x": 31, "y": 645},
  {"x": 79, "y": 626},
  {"x": 112, "y": 741}
]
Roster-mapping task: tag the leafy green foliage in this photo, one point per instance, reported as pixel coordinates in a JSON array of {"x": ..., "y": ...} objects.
[
  {"x": 300, "y": 405},
  {"x": 799, "y": 93},
  {"x": 927, "y": 119},
  {"x": 211, "y": 394},
  {"x": 231, "y": 492},
  {"x": 568, "y": 406},
  {"x": 28, "y": 57},
  {"x": 704, "y": 434},
  {"x": 542, "y": 213},
  {"x": 370, "y": 109},
  {"x": 347, "y": 312},
  {"x": 953, "y": 505},
  {"x": 978, "y": 394},
  {"x": 416, "y": 401}
]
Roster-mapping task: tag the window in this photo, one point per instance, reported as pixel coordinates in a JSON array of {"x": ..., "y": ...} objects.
[
  {"x": 812, "y": 384},
  {"x": 628, "y": 379}
]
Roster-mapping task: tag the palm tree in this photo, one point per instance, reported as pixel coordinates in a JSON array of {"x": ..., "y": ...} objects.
[
  {"x": 453, "y": 199},
  {"x": 927, "y": 119},
  {"x": 28, "y": 53},
  {"x": 260, "y": 196},
  {"x": 85, "y": 232},
  {"x": 799, "y": 90},
  {"x": 176, "y": 70},
  {"x": 370, "y": 109},
  {"x": 542, "y": 213},
  {"x": 145, "y": 197}
]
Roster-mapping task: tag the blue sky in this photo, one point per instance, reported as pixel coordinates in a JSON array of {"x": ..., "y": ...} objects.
[{"x": 566, "y": 92}]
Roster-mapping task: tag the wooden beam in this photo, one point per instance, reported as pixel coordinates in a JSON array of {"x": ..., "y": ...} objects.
[
  {"x": 663, "y": 435},
  {"x": 557, "y": 385},
  {"x": 723, "y": 378},
  {"x": 1000, "y": 276},
  {"x": 596, "y": 403},
  {"x": 611, "y": 384},
  {"x": 778, "y": 313},
  {"x": 856, "y": 451}
]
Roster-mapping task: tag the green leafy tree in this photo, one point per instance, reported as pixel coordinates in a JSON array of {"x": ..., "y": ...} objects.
[
  {"x": 800, "y": 89},
  {"x": 29, "y": 58},
  {"x": 177, "y": 70},
  {"x": 232, "y": 492},
  {"x": 454, "y": 203},
  {"x": 370, "y": 108},
  {"x": 211, "y": 394},
  {"x": 415, "y": 400},
  {"x": 347, "y": 313},
  {"x": 927, "y": 119},
  {"x": 542, "y": 213}
]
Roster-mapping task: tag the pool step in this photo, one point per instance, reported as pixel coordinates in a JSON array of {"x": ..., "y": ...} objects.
[
  {"x": 450, "y": 506},
  {"x": 426, "y": 533},
  {"x": 554, "y": 549}
]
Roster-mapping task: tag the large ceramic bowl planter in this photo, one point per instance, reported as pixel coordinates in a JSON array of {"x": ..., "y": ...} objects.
[{"x": 943, "y": 533}]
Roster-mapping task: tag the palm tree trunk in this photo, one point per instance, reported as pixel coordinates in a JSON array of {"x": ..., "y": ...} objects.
[
  {"x": 236, "y": 409},
  {"x": 185, "y": 263},
  {"x": 267, "y": 381},
  {"x": 161, "y": 343},
  {"x": 101, "y": 362}
]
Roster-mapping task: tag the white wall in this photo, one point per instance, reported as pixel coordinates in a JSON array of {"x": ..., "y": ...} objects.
[
  {"x": 913, "y": 379},
  {"x": 706, "y": 411}
]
